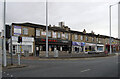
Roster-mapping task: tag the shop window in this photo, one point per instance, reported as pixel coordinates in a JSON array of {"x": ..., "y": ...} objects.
[
  {"x": 25, "y": 48},
  {"x": 25, "y": 31},
  {"x": 59, "y": 36},
  {"x": 37, "y": 32}
]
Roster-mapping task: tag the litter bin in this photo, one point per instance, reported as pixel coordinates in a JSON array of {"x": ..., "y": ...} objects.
[
  {"x": 26, "y": 53},
  {"x": 56, "y": 53}
]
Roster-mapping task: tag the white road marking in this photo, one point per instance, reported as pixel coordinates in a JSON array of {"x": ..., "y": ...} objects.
[
  {"x": 4, "y": 72},
  {"x": 85, "y": 70},
  {"x": 7, "y": 74}
]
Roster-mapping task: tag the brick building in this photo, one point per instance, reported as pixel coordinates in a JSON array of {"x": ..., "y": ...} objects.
[{"x": 60, "y": 37}]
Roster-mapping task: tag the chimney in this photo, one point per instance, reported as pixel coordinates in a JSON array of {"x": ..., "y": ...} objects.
[
  {"x": 50, "y": 25},
  {"x": 84, "y": 31},
  {"x": 61, "y": 24},
  {"x": 92, "y": 32},
  {"x": 53, "y": 25}
]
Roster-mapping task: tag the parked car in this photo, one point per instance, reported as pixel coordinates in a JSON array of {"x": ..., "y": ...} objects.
[{"x": 93, "y": 52}]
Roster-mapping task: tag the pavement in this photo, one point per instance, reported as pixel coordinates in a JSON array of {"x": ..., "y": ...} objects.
[
  {"x": 68, "y": 56},
  {"x": 80, "y": 67}
]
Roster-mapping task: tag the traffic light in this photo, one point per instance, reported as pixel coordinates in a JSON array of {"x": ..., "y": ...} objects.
[{"x": 19, "y": 39}]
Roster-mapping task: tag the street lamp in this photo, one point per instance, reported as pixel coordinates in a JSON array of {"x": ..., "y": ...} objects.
[
  {"x": 4, "y": 42},
  {"x": 110, "y": 24},
  {"x": 46, "y": 28}
]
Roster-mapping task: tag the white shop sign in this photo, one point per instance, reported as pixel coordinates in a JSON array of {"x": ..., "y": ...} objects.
[
  {"x": 100, "y": 45},
  {"x": 31, "y": 39},
  {"x": 90, "y": 44}
]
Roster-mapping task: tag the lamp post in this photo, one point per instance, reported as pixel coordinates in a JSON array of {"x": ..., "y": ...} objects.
[
  {"x": 110, "y": 24},
  {"x": 4, "y": 42},
  {"x": 46, "y": 28}
]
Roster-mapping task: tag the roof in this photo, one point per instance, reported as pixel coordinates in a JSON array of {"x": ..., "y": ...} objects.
[
  {"x": 60, "y": 29},
  {"x": 40, "y": 26}
]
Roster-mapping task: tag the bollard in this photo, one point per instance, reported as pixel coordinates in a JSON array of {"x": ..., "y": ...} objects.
[{"x": 56, "y": 53}]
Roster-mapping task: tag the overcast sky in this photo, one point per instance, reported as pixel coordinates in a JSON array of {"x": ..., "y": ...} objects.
[{"x": 77, "y": 14}]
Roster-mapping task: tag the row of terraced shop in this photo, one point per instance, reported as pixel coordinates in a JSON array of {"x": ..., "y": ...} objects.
[{"x": 60, "y": 38}]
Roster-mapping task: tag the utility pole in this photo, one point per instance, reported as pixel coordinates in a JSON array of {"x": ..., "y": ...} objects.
[
  {"x": 4, "y": 42},
  {"x": 46, "y": 28}
]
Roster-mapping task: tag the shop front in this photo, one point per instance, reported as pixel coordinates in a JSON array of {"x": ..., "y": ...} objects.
[
  {"x": 60, "y": 45},
  {"x": 27, "y": 45},
  {"x": 100, "y": 47},
  {"x": 89, "y": 47},
  {"x": 78, "y": 47},
  {"x": 114, "y": 47}
]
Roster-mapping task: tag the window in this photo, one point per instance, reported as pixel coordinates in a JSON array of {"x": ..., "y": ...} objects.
[
  {"x": 54, "y": 35},
  {"x": 76, "y": 37},
  {"x": 66, "y": 36},
  {"x": 86, "y": 38},
  {"x": 25, "y": 48},
  {"x": 43, "y": 33},
  {"x": 81, "y": 37},
  {"x": 49, "y": 34},
  {"x": 37, "y": 32},
  {"x": 63, "y": 35},
  {"x": 25, "y": 31},
  {"x": 97, "y": 39},
  {"x": 92, "y": 39},
  {"x": 59, "y": 36}
]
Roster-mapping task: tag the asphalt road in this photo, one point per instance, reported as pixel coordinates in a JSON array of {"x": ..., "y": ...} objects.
[{"x": 85, "y": 67}]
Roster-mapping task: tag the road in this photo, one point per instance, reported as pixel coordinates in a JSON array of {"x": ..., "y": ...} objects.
[{"x": 84, "y": 67}]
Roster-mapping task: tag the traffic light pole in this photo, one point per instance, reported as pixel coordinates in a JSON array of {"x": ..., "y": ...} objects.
[{"x": 19, "y": 54}]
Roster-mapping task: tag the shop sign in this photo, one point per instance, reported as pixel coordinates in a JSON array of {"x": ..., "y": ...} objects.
[
  {"x": 82, "y": 44},
  {"x": 43, "y": 40},
  {"x": 76, "y": 43},
  {"x": 65, "y": 41},
  {"x": 49, "y": 40},
  {"x": 28, "y": 39},
  {"x": 15, "y": 38},
  {"x": 90, "y": 44},
  {"x": 17, "y": 30},
  {"x": 100, "y": 45}
]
